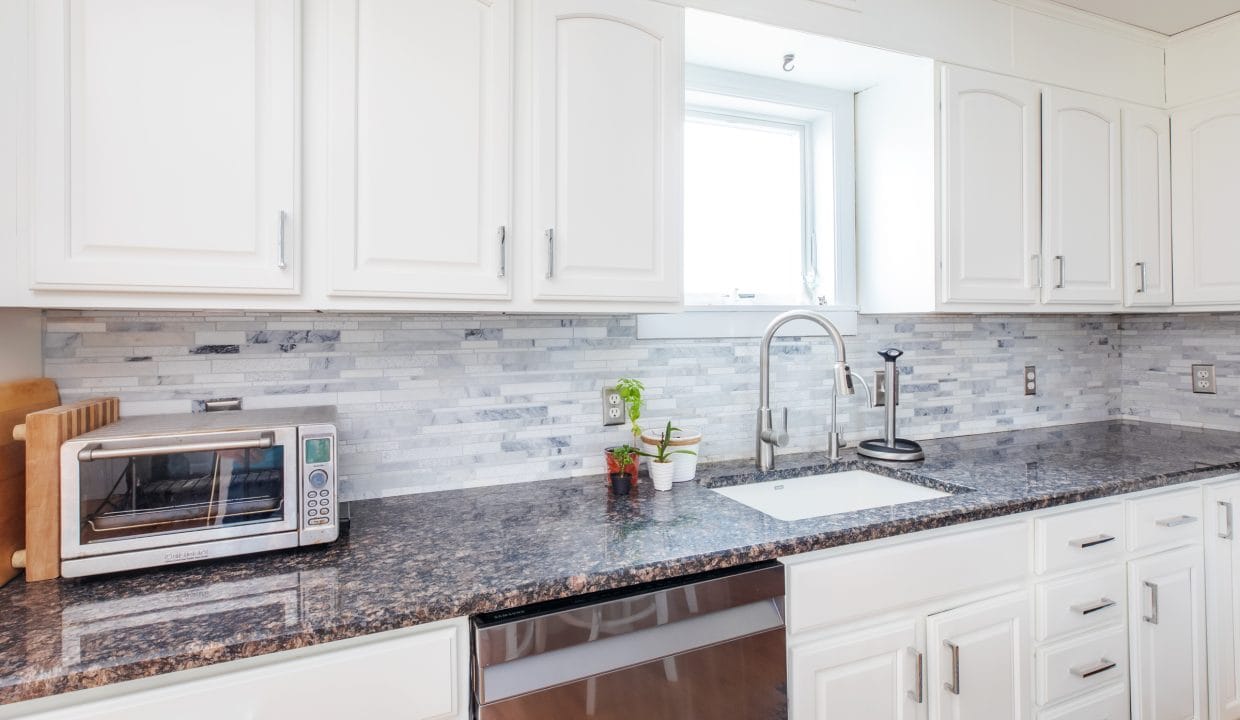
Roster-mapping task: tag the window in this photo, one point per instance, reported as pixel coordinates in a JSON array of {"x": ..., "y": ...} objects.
[
  {"x": 768, "y": 192},
  {"x": 745, "y": 211}
]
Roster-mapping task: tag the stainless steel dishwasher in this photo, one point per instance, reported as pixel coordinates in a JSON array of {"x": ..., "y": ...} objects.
[{"x": 706, "y": 646}]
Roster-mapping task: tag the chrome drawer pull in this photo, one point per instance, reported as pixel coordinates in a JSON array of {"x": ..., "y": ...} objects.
[
  {"x": 1089, "y": 542},
  {"x": 1176, "y": 521},
  {"x": 1091, "y": 670},
  {"x": 917, "y": 695},
  {"x": 1102, "y": 604},
  {"x": 953, "y": 687},
  {"x": 1152, "y": 618},
  {"x": 1225, "y": 506}
]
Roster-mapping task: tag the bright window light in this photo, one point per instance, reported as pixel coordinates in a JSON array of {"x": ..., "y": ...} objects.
[{"x": 745, "y": 210}]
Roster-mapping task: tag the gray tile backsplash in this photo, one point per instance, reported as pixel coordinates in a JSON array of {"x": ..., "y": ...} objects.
[
  {"x": 1158, "y": 350},
  {"x": 430, "y": 402}
]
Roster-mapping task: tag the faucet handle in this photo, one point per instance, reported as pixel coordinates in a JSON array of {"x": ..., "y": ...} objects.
[{"x": 777, "y": 437}]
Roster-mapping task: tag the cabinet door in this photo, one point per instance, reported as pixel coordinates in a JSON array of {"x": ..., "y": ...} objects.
[
  {"x": 1222, "y": 579},
  {"x": 991, "y": 222},
  {"x": 416, "y": 674},
  {"x": 608, "y": 117},
  {"x": 877, "y": 674},
  {"x": 1147, "y": 206},
  {"x": 980, "y": 661},
  {"x": 1205, "y": 198},
  {"x": 165, "y": 145},
  {"x": 1082, "y": 240},
  {"x": 419, "y": 148},
  {"x": 1166, "y": 640}
]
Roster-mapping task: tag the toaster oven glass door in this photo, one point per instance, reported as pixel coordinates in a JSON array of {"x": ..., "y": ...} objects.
[{"x": 165, "y": 492}]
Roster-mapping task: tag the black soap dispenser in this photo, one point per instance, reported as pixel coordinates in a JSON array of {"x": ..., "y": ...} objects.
[{"x": 890, "y": 447}]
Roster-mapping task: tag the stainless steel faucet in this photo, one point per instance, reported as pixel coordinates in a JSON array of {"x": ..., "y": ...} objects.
[{"x": 768, "y": 438}]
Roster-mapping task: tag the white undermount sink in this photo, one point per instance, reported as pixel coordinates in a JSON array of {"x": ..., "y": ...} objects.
[{"x": 830, "y": 494}]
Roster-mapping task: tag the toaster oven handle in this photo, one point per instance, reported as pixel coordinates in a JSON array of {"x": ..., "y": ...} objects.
[{"x": 94, "y": 452}]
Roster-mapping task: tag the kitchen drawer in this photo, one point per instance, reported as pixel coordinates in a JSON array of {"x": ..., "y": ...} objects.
[
  {"x": 868, "y": 582},
  {"x": 1166, "y": 519},
  {"x": 1084, "y": 601},
  {"x": 1078, "y": 666},
  {"x": 1079, "y": 538},
  {"x": 1108, "y": 704}
]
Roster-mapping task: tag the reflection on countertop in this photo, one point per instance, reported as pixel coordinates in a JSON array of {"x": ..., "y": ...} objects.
[{"x": 418, "y": 558}]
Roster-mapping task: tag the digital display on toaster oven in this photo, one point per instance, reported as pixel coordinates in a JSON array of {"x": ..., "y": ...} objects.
[{"x": 318, "y": 451}]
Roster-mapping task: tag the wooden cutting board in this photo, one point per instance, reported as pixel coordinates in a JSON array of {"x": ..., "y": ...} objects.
[
  {"x": 17, "y": 399},
  {"x": 46, "y": 431}
]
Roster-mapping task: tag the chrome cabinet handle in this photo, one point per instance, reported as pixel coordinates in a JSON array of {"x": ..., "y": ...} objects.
[
  {"x": 1141, "y": 269},
  {"x": 94, "y": 452},
  {"x": 503, "y": 251},
  {"x": 1037, "y": 266},
  {"x": 953, "y": 687},
  {"x": 1227, "y": 534},
  {"x": 1152, "y": 618},
  {"x": 280, "y": 261},
  {"x": 550, "y": 253},
  {"x": 1176, "y": 521},
  {"x": 1085, "y": 543},
  {"x": 1090, "y": 608},
  {"x": 1059, "y": 262},
  {"x": 1089, "y": 671},
  {"x": 917, "y": 694}
]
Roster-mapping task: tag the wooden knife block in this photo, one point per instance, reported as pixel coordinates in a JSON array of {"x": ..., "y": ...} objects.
[{"x": 35, "y": 543}]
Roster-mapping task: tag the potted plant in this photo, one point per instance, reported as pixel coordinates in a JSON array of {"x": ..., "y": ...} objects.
[
  {"x": 621, "y": 477},
  {"x": 684, "y": 464},
  {"x": 661, "y": 465},
  {"x": 630, "y": 391}
]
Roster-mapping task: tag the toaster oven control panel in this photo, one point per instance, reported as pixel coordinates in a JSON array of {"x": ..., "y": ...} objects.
[{"x": 318, "y": 496}]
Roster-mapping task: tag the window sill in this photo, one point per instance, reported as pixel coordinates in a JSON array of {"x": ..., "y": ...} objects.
[{"x": 747, "y": 321}]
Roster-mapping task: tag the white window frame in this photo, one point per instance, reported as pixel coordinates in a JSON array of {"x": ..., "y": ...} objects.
[{"x": 724, "y": 93}]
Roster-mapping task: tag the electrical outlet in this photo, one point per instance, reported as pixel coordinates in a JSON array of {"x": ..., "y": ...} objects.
[
  {"x": 613, "y": 407},
  {"x": 880, "y": 388},
  {"x": 1031, "y": 380},
  {"x": 1203, "y": 380}
]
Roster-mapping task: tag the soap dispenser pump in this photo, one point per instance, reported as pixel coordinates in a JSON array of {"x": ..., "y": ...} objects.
[{"x": 890, "y": 447}]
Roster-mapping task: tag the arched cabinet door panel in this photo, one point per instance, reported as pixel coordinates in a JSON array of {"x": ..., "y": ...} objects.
[
  {"x": 607, "y": 127},
  {"x": 991, "y": 222},
  {"x": 419, "y": 148},
  {"x": 1205, "y": 216}
]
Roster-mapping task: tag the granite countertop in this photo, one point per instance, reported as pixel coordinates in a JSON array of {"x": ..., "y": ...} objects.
[{"x": 419, "y": 558}]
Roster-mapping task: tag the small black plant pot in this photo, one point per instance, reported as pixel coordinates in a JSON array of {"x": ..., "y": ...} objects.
[{"x": 620, "y": 483}]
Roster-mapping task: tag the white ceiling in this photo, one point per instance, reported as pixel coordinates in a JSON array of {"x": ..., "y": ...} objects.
[
  {"x": 1165, "y": 16},
  {"x": 744, "y": 46}
]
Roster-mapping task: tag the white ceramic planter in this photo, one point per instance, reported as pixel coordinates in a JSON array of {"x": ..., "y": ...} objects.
[
  {"x": 685, "y": 464},
  {"x": 661, "y": 474}
]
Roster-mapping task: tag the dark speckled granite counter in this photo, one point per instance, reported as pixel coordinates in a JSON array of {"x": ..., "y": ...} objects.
[{"x": 415, "y": 559}]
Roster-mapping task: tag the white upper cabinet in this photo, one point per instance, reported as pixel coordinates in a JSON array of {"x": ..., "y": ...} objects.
[
  {"x": 165, "y": 145},
  {"x": 1205, "y": 147},
  {"x": 1082, "y": 241},
  {"x": 608, "y": 115},
  {"x": 419, "y": 148},
  {"x": 990, "y": 192},
  {"x": 1147, "y": 206}
]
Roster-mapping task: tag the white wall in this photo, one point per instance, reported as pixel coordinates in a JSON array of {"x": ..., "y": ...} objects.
[
  {"x": 21, "y": 344},
  {"x": 1026, "y": 38},
  {"x": 1204, "y": 63}
]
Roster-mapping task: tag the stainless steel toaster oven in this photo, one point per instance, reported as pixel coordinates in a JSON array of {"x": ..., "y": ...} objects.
[{"x": 163, "y": 489}]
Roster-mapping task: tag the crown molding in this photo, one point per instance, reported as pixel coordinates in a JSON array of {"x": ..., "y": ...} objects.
[{"x": 1092, "y": 21}]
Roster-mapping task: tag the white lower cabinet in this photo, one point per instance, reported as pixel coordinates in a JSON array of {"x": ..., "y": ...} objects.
[
  {"x": 419, "y": 673},
  {"x": 1167, "y": 635},
  {"x": 1222, "y": 577},
  {"x": 874, "y": 673},
  {"x": 977, "y": 665}
]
